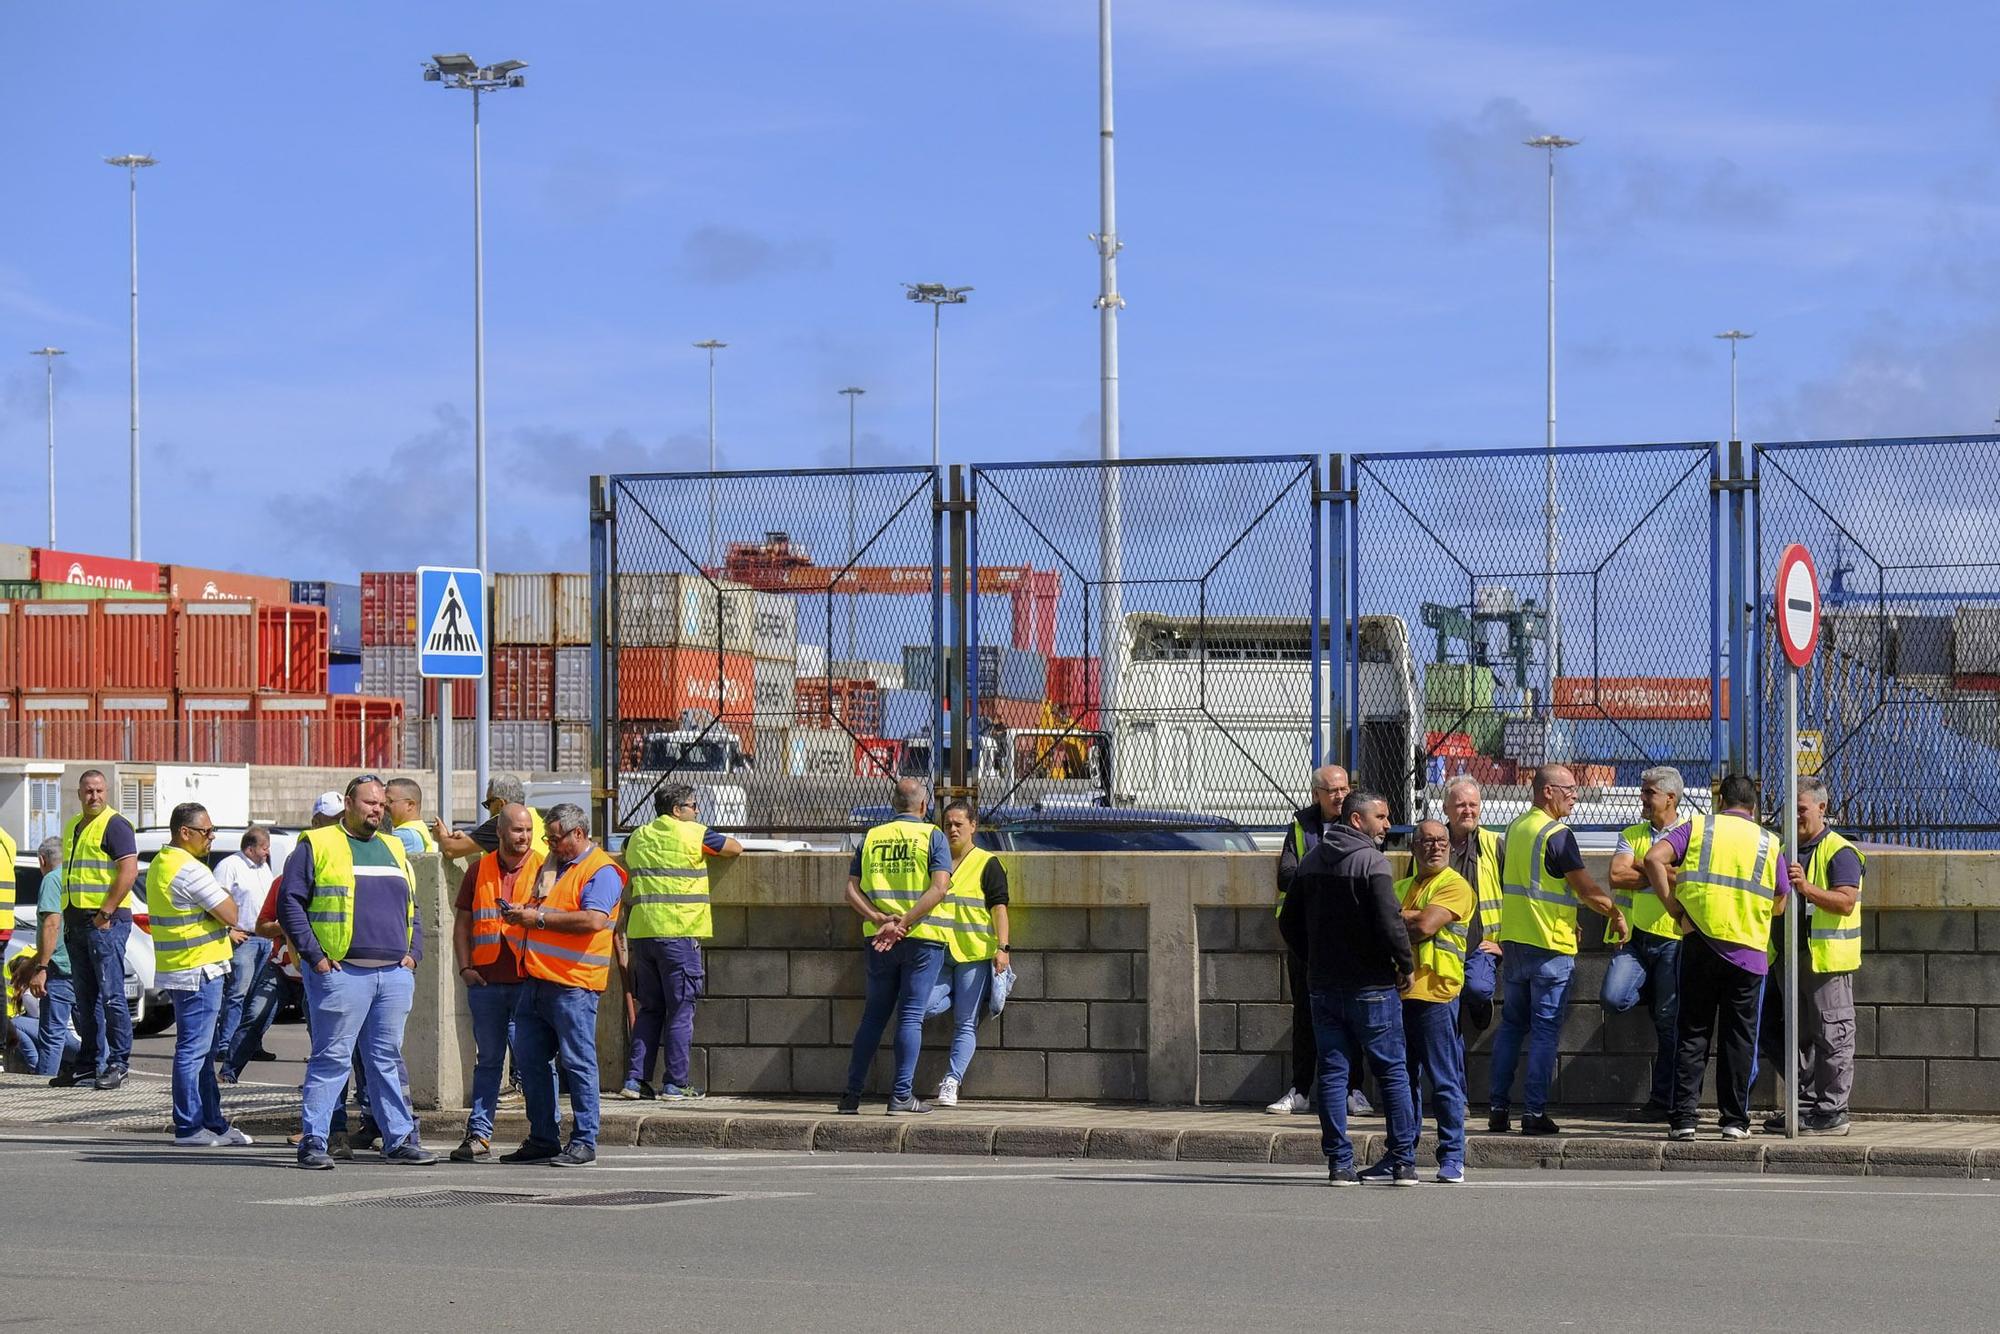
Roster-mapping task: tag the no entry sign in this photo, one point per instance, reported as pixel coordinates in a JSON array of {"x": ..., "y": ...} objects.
[{"x": 1798, "y": 605}]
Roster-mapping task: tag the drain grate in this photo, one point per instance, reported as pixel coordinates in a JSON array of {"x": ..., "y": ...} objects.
[
  {"x": 626, "y": 1199},
  {"x": 435, "y": 1199}
]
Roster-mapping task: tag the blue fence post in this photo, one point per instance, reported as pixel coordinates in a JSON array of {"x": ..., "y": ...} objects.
[
  {"x": 1315, "y": 612},
  {"x": 603, "y": 763},
  {"x": 1349, "y": 518},
  {"x": 1335, "y": 550},
  {"x": 1741, "y": 668},
  {"x": 1717, "y": 593}
]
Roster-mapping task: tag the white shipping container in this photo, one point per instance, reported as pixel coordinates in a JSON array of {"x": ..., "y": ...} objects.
[
  {"x": 572, "y": 610},
  {"x": 774, "y": 747},
  {"x": 16, "y": 562},
  {"x": 820, "y": 752},
  {"x": 776, "y": 690},
  {"x": 1187, "y": 764},
  {"x": 812, "y": 660},
  {"x": 680, "y": 610},
  {"x": 1224, "y": 689},
  {"x": 888, "y": 675},
  {"x": 392, "y": 674},
  {"x": 520, "y": 746},
  {"x": 464, "y": 736},
  {"x": 540, "y": 610},
  {"x": 573, "y": 685},
  {"x": 774, "y": 626},
  {"x": 572, "y": 748}
]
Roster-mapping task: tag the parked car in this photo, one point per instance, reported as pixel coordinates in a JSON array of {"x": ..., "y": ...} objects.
[
  {"x": 1062, "y": 828},
  {"x": 154, "y": 1012},
  {"x": 147, "y": 1005}
]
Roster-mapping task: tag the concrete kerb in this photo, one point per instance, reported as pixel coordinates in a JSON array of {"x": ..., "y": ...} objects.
[
  {"x": 1891, "y": 1160},
  {"x": 1610, "y": 1155}
]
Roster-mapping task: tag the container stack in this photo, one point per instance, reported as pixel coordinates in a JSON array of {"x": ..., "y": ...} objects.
[
  {"x": 541, "y": 674},
  {"x": 774, "y": 671}
]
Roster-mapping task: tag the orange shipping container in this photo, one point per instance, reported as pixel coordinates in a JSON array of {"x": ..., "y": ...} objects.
[
  {"x": 193, "y": 584},
  {"x": 10, "y": 731},
  {"x": 464, "y": 696},
  {"x": 58, "y": 647},
  {"x": 218, "y": 647},
  {"x": 291, "y": 649},
  {"x": 10, "y": 616},
  {"x": 58, "y": 727},
  {"x": 135, "y": 644},
  {"x": 296, "y": 730},
  {"x": 135, "y": 726},
  {"x": 1649, "y": 698},
  {"x": 663, "y": 683},
  {"x": 218, "y": 728},
  {"x": 367, "y": 732}
]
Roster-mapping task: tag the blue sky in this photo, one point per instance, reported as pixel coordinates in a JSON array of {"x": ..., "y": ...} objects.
[{"x": 1333, "y": 242}]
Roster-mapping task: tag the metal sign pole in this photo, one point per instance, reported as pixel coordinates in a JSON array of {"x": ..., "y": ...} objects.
[
  {"x": 1795, "y": 909},
  {"x": 446, "y": 760}
]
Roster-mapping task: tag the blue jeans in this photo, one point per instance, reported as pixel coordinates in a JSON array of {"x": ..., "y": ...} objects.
[
  {"x": 553, "y": 1023},
  {"x": 364, "y": 1010},
  {"x": 1480, "y": 968},
  {"x": 969, "y": 983},
  {"x": 97, "y": 969},
  {"x": 492, "y": 1037},
  {"x": 260, "y": 1010},
  {"x": 54, "y": 1025},
  {"x": 899, "y": 983},
  {"x": 1350, "y": 1027},
  {"x": 1536, "y": 997},
  {"x": 1437, "y": 1057},
  {"x": 1649, "y": 965},
  {"x": 197, "y": 1097},
  {"x": 243, "y": 968},
  {"x": 667, "y": 980}
]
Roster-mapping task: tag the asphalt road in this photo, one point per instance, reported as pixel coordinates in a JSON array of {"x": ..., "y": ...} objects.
[{"x": 130, "y": 1233}]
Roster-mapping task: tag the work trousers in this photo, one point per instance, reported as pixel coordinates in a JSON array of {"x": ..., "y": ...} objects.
[
  {"x": 1305, "y": 1049},
  {"x": 1720, "y": 1009},
  {"x": 1648, "y": 967},
  {"x": 1826, "y": 1036},
  {"x": 667, "y": 981},
  {"x": 97, "y": 969}
]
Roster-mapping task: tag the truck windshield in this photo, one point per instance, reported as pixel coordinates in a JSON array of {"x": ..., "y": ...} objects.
[{"x": 686, "y": 756}]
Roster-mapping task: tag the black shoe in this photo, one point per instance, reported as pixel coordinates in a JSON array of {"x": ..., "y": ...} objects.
[
  {"x": 1341, "y": 1176},
  {"x": 578, "y": 1154},
  {"x": 261, "y": 1055},
  {"x": 73, "y": 1080},
  {"x": 850, "y": 1104},
  {"x": 1825, "y": 1123},
  {"x": 410, "y": 1154},
  {"x": 225, "y": 1076},
  {"x": 1655, "y": 1112},
  {"x": 1774, "y": 1124},
  {"x": 1478, "y": 1012},
  {"x": 1539, "y": 1125},
  {"x": 341, "y": 1146},
  {"x": 473, "y": 1150},
  {"x": 368, "y": 1137},
  {"x": 313, "y": 1156},
  {"x": 532, "y": 1151},
  {"x": 1498, "y": 1123},
  {"x": 111, "y": 1078}
]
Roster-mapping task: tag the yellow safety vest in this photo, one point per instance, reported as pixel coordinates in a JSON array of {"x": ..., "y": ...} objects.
[
  {"x": 896, "y": 872},
  {"x": 668, "y": 870},
  {"x": 7, "y": 852},
  {"x": 965, "y": 906},
  {"x": 1642, "y": 907},
  {"x": 1835, "y": 942},
  {"x": 1536, "y": 908},
  {"x": 1443, "y": 953},
  {"x": 331, "y": 908},
  {"x": 181, "y": 939},
  {"x": 541, "y": 840},
  {"x": 1728, "y": 881},
  {"x": 88, "y": 871},
  {"x": 424, "y": 839},
  {"x": 1487, "y": 899},
  {"x": 1297, "y": 838}
]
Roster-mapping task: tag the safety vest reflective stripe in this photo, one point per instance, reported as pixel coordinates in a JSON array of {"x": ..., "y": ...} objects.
[
  {"x": 189, "y": 919},
  {"x": 1836, "y": 933},
  {"x": 90, "y": 864},
  {"x": 667, "y": 869},
  {"x": 181, "y": 939},
  {"x": 1834, "y": 940},
  {"x": 1725, "y": 904},
  {"x": 539, "y": 944},
  {"x": 1453, "y": 940},
  {"x": 488, "y": 928},
  {"x": 331, "y": 907},
  {"x": 669, "y": 898}
]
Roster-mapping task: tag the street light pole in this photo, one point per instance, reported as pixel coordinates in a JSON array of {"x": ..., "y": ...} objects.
[
  {"x": 710, "y": 345},
  {"x": 132, "y": 162},
  {"x": 1550, "y": 546},
  {"x": 48, "y": 356},
  {"x": 852, "y": 394},
  {"x": 1734, "y": 336},
  {"x": 1110, "y": 555},
  {"x": 937, "y": 296},
  {"x": 461, "y": 71}
]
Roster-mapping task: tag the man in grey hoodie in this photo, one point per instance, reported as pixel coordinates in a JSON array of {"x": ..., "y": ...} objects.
[{"x": 1342, "y": 904}]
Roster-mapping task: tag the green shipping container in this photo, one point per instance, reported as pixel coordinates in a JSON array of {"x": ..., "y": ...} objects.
[
  {"x": 88, "y": 593},
  {"x": 1458, "y": 685}
]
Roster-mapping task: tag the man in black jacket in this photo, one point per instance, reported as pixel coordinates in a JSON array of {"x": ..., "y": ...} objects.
[
  {"x": 1329, "y": 789},
  {"x": 1358, "y": 957}
]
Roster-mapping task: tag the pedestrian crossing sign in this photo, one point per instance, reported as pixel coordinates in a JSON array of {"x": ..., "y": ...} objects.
[{"x": 451, "y": 622}]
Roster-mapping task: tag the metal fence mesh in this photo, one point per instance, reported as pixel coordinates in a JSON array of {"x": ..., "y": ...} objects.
[
  {"x": 755, "y": 633},
  {"x": 1472, "y": 652},
  {"x": 1900, "y": 710}
]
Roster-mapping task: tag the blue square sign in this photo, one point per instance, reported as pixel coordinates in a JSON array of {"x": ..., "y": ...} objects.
[{"x": 451, "y": 622}]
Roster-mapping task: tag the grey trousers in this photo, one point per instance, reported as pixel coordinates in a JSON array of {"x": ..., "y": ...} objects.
[{"x": 1826, "y": 1041}]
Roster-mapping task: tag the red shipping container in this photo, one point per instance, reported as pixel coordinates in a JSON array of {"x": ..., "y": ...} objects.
[
  {"x": 190, "y": 583},
  {"x": 135, "y": 726},
  {"x": 122, "y": 576},
  {"x": 296, "y": 730},
  {"x": 877, "y": 757},
  {"x": 58, "y": 727},
  {"x": 389, "y": 609},
  {"x": 663, "y": 683},
  {"x": 367, "y": 732},
  {"x": 218, "y": 728},
  {"x": 135, "y": 644},
  {"x": 1975, "y": 682},
  {"x": 1012, "y": 714},
  {"x": 218, "y": 647},
  {"x": 1667, "y": 698},
  {"x": 464, "y": 697},
  {"x": 1076, "y": 685},
  {"x": 58, "y": 647},
  {"x": 10, "y": 616},
  {"x": 1452, "y": 745},
  {"x": 291, "y": 649},
  {"x": 524, "y": 684},
  {"x": 10, "y": 729},
  {"x": 851, "y": 703}
]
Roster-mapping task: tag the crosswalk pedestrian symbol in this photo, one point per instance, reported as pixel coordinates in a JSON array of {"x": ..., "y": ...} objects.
[{"x": 451, "y": 621}]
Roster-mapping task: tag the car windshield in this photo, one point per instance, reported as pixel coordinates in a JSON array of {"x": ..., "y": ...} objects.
[{"x": 1084, "y": 838}]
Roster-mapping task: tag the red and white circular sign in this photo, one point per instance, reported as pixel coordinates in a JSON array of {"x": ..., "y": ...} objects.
[{"x": 1798, "y": 605}]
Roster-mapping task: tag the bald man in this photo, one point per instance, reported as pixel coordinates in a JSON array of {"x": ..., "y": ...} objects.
[{"x": 1329, "y": 788}]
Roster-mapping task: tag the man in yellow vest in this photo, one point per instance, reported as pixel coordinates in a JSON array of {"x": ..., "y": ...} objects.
[
  {"x": 347, "y": 904},
  {"x": 191, "y": 917},
  {"x": 1724, "y": 896},
  {"x": 1438, "y": 906},
  {"x": 900, "y": 875},
  {"x": 566, "y": 953},
  {"x": 100, "y": 866},
  {"x": 667, "y": 918},
  {"x": 406, "y": 816},
  {"x": 489, "y": 963},
  {"x": 1648, "y": 965},
  {"x": 1330, "y": 787},
  {"x": 1542, "y": 880},
  {"x": 1476, "y": 856},
  {"x": 980, "y": 944},
  {"x": 1829, "y": 881}
]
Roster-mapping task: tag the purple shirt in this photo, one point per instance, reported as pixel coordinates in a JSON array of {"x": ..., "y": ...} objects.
[{"x": 1754, "y": 959}]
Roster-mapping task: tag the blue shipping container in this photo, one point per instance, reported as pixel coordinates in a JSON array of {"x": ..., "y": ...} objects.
[
  {"x": 343, "y": 611},
  {"x": 1023, "y": 675},
  {"x": 343, "y": 675},
  {"x": 906, "y": 713}
]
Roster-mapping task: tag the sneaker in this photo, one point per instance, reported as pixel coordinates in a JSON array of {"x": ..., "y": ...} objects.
[
  {"x": 636, "y": 1090},
  {"x": 73, "y": 1080},
  {"x": 578, "y": 1154},
  {"x": 1341, "y": 1176},
  {"x": 1681, "y": 1134},
  {"x": 679, "y": 1093},
  {"x": 225, "y": 1076},
  {"x": 512, "y": 1094},
  {"x": 1451, "y": 1174},
  {"x": 201, "y": 1139},
  {"x": 910, "y": 1106},
  {"x": 342, "y": 1146},
  {"x": 1774, "y": 1124},
  {"x": 1292, "y": 1103},
  {"x": 1825, "y": 1123},
  {"x": 1736, "y": 1132},
  {"x": 1357, "y": 1104},
  {"x": 1499, "y": 1123},
  {"x": 313, "y": 1156},
  {"x": 849, "y": 1105},
  {"x": 295, "y": 1139},
  {"x": 473, "y": 1150},
  {"x": 1379, "y": 1175},
  {"x": 532, "y": 1151},
  {"x": 409, "y": 1153},
  {"x": 1539, "y": 1125},
  {"x": 368, "y": 1137},
  {"x": 261, "y": 1055},
  {"x": 947, "y": 1094},
  {"x": 232, "y": 1138},
  {"x": 111, "y": 1078}
]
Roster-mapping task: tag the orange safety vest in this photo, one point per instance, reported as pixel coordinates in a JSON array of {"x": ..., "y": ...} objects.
[
  {"x": 488, "y": 928},
  {"x": 570, "y": 958}
]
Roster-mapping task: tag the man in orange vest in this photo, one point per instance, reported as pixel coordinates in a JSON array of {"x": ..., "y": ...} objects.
[
  {"x": 565, "y": 939},
  {"x": 489, "y": 963}
]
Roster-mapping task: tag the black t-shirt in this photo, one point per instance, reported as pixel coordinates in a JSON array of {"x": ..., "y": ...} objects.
[{"x": 993, "y": 883}]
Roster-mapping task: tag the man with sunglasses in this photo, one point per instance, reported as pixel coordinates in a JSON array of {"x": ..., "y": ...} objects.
[
  {"x": 192, "y": 919},
  {"x": 1438, "y": 906}
]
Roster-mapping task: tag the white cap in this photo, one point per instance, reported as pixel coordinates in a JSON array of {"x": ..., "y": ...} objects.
[{"x": 329, "y": 804}]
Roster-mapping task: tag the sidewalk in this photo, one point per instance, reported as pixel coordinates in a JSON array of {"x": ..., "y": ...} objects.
[{"x": 1877, "y": 1147}]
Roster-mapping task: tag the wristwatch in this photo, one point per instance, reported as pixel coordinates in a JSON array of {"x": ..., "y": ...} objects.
[
  {"x": 1005, "y": 949},
  {"x": 541, "y": 918}
]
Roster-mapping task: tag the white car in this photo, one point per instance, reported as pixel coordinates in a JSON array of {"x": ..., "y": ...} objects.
[{"x": 156, "y": 1009}]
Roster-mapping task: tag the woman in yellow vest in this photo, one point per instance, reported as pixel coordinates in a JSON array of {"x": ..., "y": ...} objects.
[
  {"x": 193, "y": 921},
  {"x": 979, "y": 943}
]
